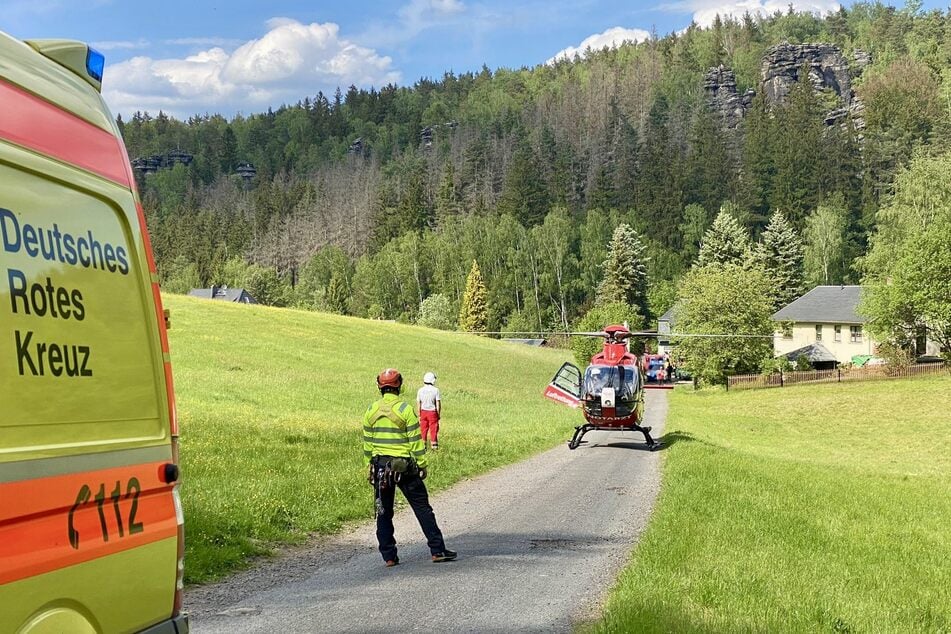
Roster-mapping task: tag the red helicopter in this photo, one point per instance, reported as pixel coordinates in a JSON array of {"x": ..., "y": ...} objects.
[{"x": 611, "y": 391}]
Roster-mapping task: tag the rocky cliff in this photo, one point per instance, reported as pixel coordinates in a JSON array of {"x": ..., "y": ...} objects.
[
  {"x": 823, "y": 65},
  {"x": 719, "y": 87}
]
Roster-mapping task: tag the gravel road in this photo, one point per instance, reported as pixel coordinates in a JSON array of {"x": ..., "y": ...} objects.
[{"x": 539, "y": 543}]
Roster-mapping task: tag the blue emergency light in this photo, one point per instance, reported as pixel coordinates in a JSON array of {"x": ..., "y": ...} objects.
[{"x": 95, "y": 62}]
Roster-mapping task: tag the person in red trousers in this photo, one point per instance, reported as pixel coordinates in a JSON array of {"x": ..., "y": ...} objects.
[{"x": 429, "y": 403}]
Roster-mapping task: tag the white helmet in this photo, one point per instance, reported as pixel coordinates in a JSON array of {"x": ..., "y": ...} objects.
[{"x": 429, "y": 377}]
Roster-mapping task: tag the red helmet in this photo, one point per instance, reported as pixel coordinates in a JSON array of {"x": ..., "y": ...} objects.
[{"x": 389, "y": 377}]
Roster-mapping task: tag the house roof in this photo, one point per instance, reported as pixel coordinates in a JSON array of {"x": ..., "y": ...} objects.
[
  {"x": 815, "y": 352},
  {"x": 825, "y": 304},
  {"x": 223, "y": 293},
  {"x": 527, "y": 342}
]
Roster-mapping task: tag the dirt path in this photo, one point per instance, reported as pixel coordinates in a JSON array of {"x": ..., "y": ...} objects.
[{"x": 539, "y": 543}]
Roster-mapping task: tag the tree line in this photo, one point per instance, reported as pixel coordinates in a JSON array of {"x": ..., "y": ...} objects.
[{"x": 529, "y": 172}]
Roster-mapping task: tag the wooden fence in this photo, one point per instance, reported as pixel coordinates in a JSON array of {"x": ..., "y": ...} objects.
[{"x": 841, "y": 375}]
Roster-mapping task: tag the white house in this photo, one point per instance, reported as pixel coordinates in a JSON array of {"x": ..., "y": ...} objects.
[{"x": 825, "y": 326}]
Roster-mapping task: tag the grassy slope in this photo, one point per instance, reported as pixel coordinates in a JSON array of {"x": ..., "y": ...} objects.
[
  {"x": 824, "y": 508},
  {"x": 270, "y": 403}
]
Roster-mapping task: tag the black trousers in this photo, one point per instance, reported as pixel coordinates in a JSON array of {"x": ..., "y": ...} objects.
[{"x": 414, "y": 489}]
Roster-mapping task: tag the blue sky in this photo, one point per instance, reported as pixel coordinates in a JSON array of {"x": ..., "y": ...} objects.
[{"x": 243, "y": 56}]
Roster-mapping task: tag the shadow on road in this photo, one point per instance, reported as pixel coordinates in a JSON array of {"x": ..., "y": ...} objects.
[{"x": 666, "y": 441}]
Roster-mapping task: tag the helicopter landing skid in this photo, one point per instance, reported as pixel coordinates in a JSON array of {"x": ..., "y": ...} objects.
[{"x": 581, "y": 430}]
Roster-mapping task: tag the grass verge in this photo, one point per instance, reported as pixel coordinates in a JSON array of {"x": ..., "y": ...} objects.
[
  {"x": 271, "y": 403},
  {"x": 813, "y": 508}
]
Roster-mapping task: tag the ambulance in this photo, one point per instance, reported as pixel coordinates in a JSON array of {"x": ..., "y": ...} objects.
[{"x": 91, "y": 529}]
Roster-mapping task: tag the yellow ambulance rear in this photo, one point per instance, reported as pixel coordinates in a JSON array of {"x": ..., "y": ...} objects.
[{"x": 91, "y": 536}]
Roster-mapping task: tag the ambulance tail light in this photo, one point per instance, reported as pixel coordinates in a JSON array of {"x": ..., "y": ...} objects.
[{"x": 180, "y": 557}]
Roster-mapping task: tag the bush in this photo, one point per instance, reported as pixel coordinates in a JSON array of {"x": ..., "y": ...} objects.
[
  {"x": 263, "y": 283},
  {"x": 897, "y": 357},
  {"x": 520, "y": 324},
  {"x": 596, "y": 319},
  {"x": 266, "y": 286},
  {"x": 436, "y": 311},
  {"x": 772, "y": 365},
  {"x": 180, "y": 276}
]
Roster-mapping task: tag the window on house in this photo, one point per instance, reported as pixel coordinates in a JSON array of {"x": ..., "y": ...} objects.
[
  {"x": 855, "y": 333},
  {"x": 786, "y": 329},
  {"x": 818, "y": 332},
  {"x": 838, "y": 333}
]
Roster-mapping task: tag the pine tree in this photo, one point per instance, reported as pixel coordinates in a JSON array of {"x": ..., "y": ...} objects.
[
  {"x": 695, "y": 224},
  {"x": 337, "y": 294},
  {"x": 759, "y": 167},
  {"x": 474, "y": 314},
  {"x": 524, "y": 194},
  {"x": 447, "y": 198},
  {"x": 780, "y": 253},
  {"x": 710, "y": 168},
  {"x": 797, "y": 152},
  {"x": 725, "y": 242},
  {"x": 625, "y": 271}
]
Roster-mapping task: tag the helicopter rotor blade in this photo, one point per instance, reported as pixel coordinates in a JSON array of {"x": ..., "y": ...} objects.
[
  {"x": 549, "y": 333},
  {"x": 649, "y": 334}
]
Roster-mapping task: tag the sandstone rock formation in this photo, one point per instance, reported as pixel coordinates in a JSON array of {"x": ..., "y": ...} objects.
[
  {"x": 824, "y": 65},
  {"x": 826, "y": 68},
  {"x": 719, "y": 87}
]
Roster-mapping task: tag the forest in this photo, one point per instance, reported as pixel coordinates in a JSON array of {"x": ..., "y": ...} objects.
[{"x": 384, "y": 203}]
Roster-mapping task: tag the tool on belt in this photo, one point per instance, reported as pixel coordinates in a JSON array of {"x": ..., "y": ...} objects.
[{"x": 386, "y": 472}]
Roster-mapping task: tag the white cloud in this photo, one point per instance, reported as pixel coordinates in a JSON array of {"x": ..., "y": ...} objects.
[
  {"x": 202, "y": 41},
  {"x": 612, "y": 38},
  {"x": 413, "y": 18},
  {"x": 290, "y": 61},
  {"x": 705, "y": 11},
  {"x": 419, "y": 11},
  {"x": 115, "y": 45}
]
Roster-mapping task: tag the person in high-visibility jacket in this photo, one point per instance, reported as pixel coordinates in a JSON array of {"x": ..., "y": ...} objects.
[{"x": 395, "y": 456}]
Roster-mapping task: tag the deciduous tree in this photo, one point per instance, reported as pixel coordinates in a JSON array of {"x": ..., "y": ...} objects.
[
  {"x": 436, "y": 312},
  {"x": 725, "y": 299},
  {"x": 825, "y": 243},
  {"x": 908, "y": 269}
]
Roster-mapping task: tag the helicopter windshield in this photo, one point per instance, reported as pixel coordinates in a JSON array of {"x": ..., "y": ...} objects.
[{"x": 624, "y": 379}]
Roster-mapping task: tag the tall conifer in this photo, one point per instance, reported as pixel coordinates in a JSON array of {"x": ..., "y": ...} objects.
[
  {"x": 780, "y": 253},
  {"x": 725, "y": 242},
  {"x": 797, "y": 152},
  {"x": 474, "y": 313},
  {"x": 758, "y": 160},
  {"x": 625, "y": 271}
]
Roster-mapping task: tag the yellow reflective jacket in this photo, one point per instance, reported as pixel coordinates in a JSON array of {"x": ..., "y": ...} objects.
[{"x": 390, "y": 428}]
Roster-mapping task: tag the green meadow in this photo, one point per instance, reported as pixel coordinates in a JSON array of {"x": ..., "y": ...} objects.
[
  {"x": 808, "y": 509},
  {"x": 271, "y": 402}
]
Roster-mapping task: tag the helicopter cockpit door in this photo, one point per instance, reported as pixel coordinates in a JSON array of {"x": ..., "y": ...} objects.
[{"x": 565, "y": 386}]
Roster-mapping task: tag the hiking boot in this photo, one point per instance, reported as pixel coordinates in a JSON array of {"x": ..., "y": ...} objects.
[
  {"x": 392, "y": 562},
  {"x": 446, "y": 555}
]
